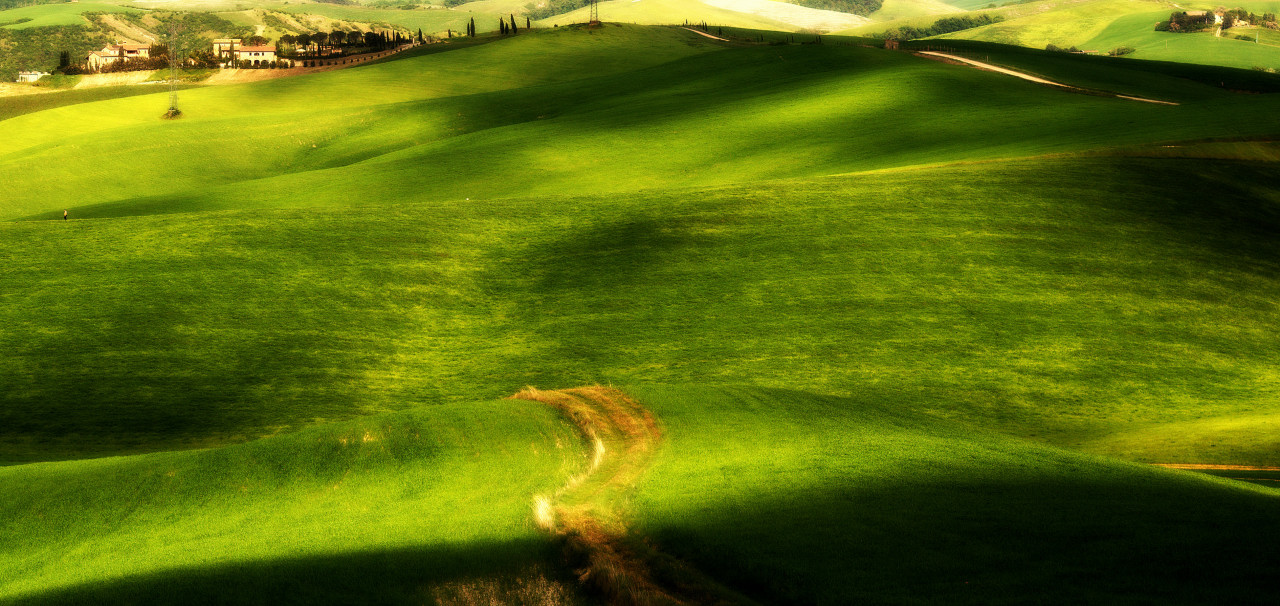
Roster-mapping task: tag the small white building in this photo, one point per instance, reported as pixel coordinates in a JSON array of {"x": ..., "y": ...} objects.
[{"x": 30, "y": 76}]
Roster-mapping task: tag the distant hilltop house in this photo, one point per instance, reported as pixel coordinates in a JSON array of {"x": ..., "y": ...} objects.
[
  {"x": 30, "y": 76},
  {"x": 231, "y": 51},
  {"x": 117, "y": 52}
]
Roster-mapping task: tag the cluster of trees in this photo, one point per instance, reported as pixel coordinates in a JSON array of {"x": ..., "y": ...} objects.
[
  {"x": 945, "y": 25},
  {"x": 1187, "y": 22},
  {"x": 856, "y": 7},
  {"x": 335, "y": 43},
  {"x": 1196, "y": 22},
  {"x": 38, "y": 48},
  {"x": 506, "y": 27},
  {"x": 1238, "y": 16},
  {"x": 1054, "y": 48}
]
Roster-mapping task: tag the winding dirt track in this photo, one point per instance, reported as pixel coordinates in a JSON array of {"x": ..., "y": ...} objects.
[
  {"x": 1030, "y": 78},
  {"x": 587, "y": 513}
]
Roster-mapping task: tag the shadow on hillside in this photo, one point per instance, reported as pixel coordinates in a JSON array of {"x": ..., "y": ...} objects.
[
  {"x": 1231, "y": 206},
  {"x": 947, "y": 540},
  {"x": 517, "y": 572}
]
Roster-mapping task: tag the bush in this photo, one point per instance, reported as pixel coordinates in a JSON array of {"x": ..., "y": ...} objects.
[{"x": 1121, "y": 51}]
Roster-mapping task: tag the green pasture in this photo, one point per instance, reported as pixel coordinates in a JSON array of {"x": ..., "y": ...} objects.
[
  {"x": 793, "y": 498},
  {"x": 396, "y": 508},
  {"x": 1204, "y": 48},
  {"x": 736, "y": 115},
  {"x": 43, "y": 15},
  {"x": 1064, "y": 24},
  {"x": 667, "y": 12},
  {"x": 900, "y": 9},
  {"x": 924, "y": 323}
]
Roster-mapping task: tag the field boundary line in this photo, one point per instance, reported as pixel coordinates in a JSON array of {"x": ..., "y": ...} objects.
[{"x": 1213, "y": 467}]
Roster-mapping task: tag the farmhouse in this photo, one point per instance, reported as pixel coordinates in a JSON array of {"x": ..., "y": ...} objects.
[
  {"x": 117, "y": 52},
  {"x": 30, "y": 76},
  {"x": 232, "y": 50}
]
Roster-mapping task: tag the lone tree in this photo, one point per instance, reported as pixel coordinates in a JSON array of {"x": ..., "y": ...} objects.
[{"x": 472, "y": 28}]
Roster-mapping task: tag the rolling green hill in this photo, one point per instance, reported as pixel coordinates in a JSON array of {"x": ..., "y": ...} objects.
[
  {"x": 44, "y": 15},
  {"x": 423, "y": 504},
  {"x": 923, "y": 324}
]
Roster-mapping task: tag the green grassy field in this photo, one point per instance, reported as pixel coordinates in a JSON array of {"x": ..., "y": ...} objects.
[
  {"x": 987, "y": 302},
  {"x": 667, "y": 12},
  {"x": 883, "y": 505},
  {"x": 1136, "y": 31},
  {"x": 396, "y": 508},
  {"x": 43, "y": 15}
]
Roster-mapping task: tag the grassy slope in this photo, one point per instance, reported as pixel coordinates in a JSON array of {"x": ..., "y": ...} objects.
[
  {"x": 57, "y": 14},
  {"x": 398, "y": 508},
  {"x": 801, "y": 499},
  {"x": 1105, "y": 298},
  {"x": 1064, "y": 24},
  {"x": 1136, "y": 31},
  {"x": 263, "y": 130},
  {"x": 666, "y": 12},
  {"x": 901, "y": 9},
  {"x": 835, "y": 100}
]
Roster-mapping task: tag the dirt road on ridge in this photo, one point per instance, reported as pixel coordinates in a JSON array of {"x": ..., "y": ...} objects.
[{"x": 1030, "y": 78}]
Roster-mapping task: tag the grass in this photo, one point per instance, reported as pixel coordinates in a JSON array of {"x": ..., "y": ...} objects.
[
  {"x": 803, "y": 499},
  {"x": 996, "y": 283},
  {"x": 183, "y": 75},
  {"x": 395, "y": 508},
  {"x": 667, "y": 12},
  {"x": 60, "y": 81},
  {"x": 1204, "y": 48},
  {"x": 44, "y": 15},
  {"x": 25, "y": 104}
]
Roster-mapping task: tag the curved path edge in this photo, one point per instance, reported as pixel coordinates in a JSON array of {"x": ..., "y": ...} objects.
[
  {"x": 1031, "y": 78},
  {"x": 588, "y": 512}
]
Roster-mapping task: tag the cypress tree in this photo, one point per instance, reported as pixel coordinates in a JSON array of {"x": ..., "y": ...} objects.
[{"x": 514, "y": 29}]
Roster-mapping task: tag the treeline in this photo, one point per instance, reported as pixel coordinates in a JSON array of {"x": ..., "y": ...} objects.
[
  {"x": 856, "y": 7},
  {"x": 1185, "y": 22},
  {"x": 8, "y": 4},
  {"x": 945, "y": 25},
  {"x": 337, "y": 43}
]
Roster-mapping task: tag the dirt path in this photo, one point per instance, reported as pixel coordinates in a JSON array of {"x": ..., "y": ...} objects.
[
  {"x": 588, "y": 511},
  {"x": 704, "y": 34},
  {"x": 1030, "y": 78}
]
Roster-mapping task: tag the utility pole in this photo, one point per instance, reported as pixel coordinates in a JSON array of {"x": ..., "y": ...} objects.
[{"x": 173, "y": 112}]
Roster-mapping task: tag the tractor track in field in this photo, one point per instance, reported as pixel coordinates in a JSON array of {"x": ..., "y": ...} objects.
[
  {"x": 587, "y": 513},
  {"x": 1030, "y": 78}
]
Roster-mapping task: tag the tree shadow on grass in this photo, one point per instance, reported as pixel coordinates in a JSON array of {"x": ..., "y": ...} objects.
[{"x": 509, "y": 572}]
